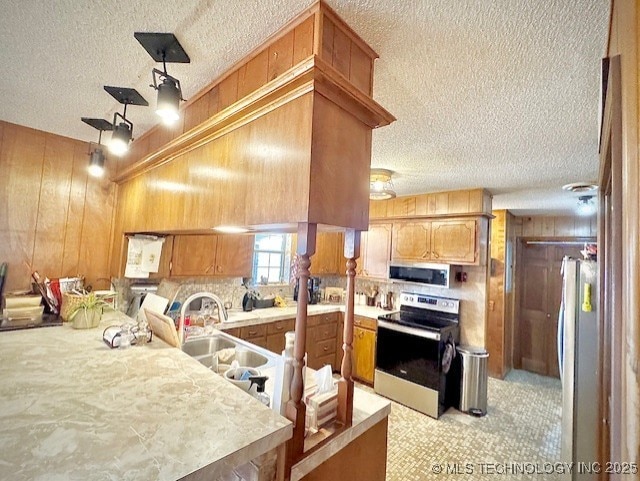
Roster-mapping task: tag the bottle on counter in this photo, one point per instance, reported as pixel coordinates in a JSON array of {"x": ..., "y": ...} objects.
[
  {"x": 284, "y": 374},
  {"x": 260, "y": 382}
]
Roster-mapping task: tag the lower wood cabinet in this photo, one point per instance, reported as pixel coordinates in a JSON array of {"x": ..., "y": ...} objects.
[
  {"x": 364, "y": 348},
  {"x": 324, "y": 341}
]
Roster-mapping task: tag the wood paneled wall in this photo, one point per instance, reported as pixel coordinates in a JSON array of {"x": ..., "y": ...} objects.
[
  {"x": 624, "y": 40},
  {"x": 505, "y": 229},
  {"x": 498, "y": 341},
  {"x": 556, "y": 226},
  {"x": 54, "y": 218}
]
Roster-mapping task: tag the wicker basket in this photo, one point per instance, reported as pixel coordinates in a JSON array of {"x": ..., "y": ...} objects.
[{"x": 69, "y": 303}]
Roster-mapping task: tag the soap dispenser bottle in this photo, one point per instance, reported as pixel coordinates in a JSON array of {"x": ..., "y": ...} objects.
[{"x": 260, "y": 381}]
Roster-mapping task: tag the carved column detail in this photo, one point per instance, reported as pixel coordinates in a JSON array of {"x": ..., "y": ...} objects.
[
  {"x": 345, "y": 384},
  {"x": 296, "y": 410}
]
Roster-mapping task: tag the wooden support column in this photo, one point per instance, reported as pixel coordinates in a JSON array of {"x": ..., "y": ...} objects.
[
  {"x": 345, "y": 384},
  {"x": 296, "y": 410}
]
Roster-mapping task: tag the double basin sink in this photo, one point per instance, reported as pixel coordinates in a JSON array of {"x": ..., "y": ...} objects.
[{"x": 227, "y": 348}]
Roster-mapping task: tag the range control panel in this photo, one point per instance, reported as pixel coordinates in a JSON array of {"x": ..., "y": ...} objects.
[{"x": 424, "y": 301}]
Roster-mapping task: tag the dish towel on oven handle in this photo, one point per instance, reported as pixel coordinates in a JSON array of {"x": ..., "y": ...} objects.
[{"x": 448, "y": 355}]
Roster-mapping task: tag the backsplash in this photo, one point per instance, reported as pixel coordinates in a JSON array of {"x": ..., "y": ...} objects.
[
  {"x": 472, "y": 294},
  {"x": 228, "y": 289}
]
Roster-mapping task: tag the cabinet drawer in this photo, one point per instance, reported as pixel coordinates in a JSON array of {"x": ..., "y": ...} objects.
[
  {"x": 251, "y": 332},
  {"x": 325, "y": 348},
  {"x": 280, "y": 327},
  {"x": 324, "y": 360},
  {"x": 326, "y": 331},
  {"x": 232, "y": 331},
  {"x": 365, "y": 322},
  {"x": 319, "y": 319}
]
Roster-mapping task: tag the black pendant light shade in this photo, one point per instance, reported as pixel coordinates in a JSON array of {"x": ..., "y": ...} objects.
[
  {"x": 169, "y": 96},
  {"x": 96, "y": 163},
  {"x": 165, "y": 48},
  {"x": 121, "y": 136},
  {"x": 123, "y": 128},
  {"x": 97, "y": 157}
]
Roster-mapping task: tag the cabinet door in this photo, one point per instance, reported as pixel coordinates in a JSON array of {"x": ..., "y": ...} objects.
[
  {"x": 329, "y": 258},
  {"x": 411, "y": 241},
  {"x": 234, "y": 255},
  {"x": 364, "y": 352},
  {"x": 376, "y": 251},
  {"x": 164, "y": 269},
  {"x": 454, "y": 241},
  {"x": 194, "y": 255}
]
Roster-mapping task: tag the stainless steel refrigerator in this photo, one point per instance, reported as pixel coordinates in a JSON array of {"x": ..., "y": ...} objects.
[{"x": 578, "y": 356}]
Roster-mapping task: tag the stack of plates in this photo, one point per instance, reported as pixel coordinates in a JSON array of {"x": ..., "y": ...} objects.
[{"x": 23, "y": 307}]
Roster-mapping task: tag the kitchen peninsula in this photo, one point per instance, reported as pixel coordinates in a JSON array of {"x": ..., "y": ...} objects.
[{"x": 75, "y": 409}]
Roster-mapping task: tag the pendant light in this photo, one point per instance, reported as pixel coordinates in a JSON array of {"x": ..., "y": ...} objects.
[
  {"x": 165, "y": 48},
  {"x": 380, "y": 185},
  {"x": 586, "y": 205},
  {"x": 97, "y": 158},
  {"x": 123, "y": 128}
]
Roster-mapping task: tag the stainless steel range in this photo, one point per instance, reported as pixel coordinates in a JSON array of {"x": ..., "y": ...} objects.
[{"x": 414, "y": 353}]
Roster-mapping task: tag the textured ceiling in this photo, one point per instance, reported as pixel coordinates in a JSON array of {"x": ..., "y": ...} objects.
[{"x": 501, "y": 94}]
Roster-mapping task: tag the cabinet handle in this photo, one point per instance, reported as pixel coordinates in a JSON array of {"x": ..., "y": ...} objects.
[
  {"x": 219, "y": 268},
  {"x": 279, "y": 328},
  {"x": 435, "y": 254},
  {"x": 326, "y": 348},
  {"x": 252, "y": 333}
]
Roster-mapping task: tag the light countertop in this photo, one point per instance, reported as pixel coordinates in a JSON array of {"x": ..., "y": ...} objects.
[
  {"x": 238, "y": 318},
  {"x": 74, "y": 409}
]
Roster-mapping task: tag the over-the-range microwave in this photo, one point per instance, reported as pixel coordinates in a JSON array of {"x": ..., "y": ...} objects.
[{"x": 438, "y": 275}]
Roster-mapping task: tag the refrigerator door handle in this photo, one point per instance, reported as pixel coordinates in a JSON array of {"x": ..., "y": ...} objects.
[{"x": 560, "y": 337}]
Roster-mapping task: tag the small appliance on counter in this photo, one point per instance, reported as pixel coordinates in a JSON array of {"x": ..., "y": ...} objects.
[
  {"x": 138, "y": 293},
  {"x": 314, "y": 296}
]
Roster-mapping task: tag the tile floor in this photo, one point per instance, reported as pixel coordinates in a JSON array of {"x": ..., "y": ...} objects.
[{"x": 521, "y": 431}]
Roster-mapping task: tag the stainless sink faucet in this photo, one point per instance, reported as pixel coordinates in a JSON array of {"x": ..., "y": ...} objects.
[{"x": 222, "y": 312}]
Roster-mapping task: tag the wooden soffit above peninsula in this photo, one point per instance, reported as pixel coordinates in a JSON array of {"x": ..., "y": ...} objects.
[
  {"x": 316, "y": 52},
  {"x": 284, "y": 137}
]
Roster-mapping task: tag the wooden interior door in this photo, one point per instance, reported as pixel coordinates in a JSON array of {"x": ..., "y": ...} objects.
[{"x": 540, "y": 287}]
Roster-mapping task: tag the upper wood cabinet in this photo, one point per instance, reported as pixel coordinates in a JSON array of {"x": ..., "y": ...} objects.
[
  {"x": 411, "y": 241},
  {"x": 212, "y": 255},
  {"x": 234, "y": 255},
  {"x": 450, "y": 241},
  {"x": 454, "y": 241},
  {"x": 329, "y": 258},
  {"x": 164, "y": 269},
  {"x": 375, "y": 251},
  {"x": 194, "y": 255}
]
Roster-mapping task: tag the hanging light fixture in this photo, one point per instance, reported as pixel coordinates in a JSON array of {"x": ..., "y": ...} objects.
[
  {"x": 97, "y": 157},
  {"x": 123, "y": 128},
  {"x": 165, "y": 48},
  {"x": 586, "y": 205},
  {"x": 380, "y": 185}
]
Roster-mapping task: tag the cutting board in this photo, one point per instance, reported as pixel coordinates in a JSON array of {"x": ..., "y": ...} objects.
[
  {"x": 163, "y": 327},
  {"x": 153, "y": 302}
]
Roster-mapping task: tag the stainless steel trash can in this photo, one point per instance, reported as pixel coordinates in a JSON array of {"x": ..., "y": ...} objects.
[{"x": 474, "y": 379}]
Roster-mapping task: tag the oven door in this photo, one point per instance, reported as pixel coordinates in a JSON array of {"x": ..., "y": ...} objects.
[{"x": 409, "y": 353}]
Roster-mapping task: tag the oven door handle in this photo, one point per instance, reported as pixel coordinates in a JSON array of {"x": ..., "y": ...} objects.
[{"x": 413, "y": 331}]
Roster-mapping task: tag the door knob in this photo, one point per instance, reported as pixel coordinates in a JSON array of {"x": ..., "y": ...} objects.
[{"x": 548, "y": 316}]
